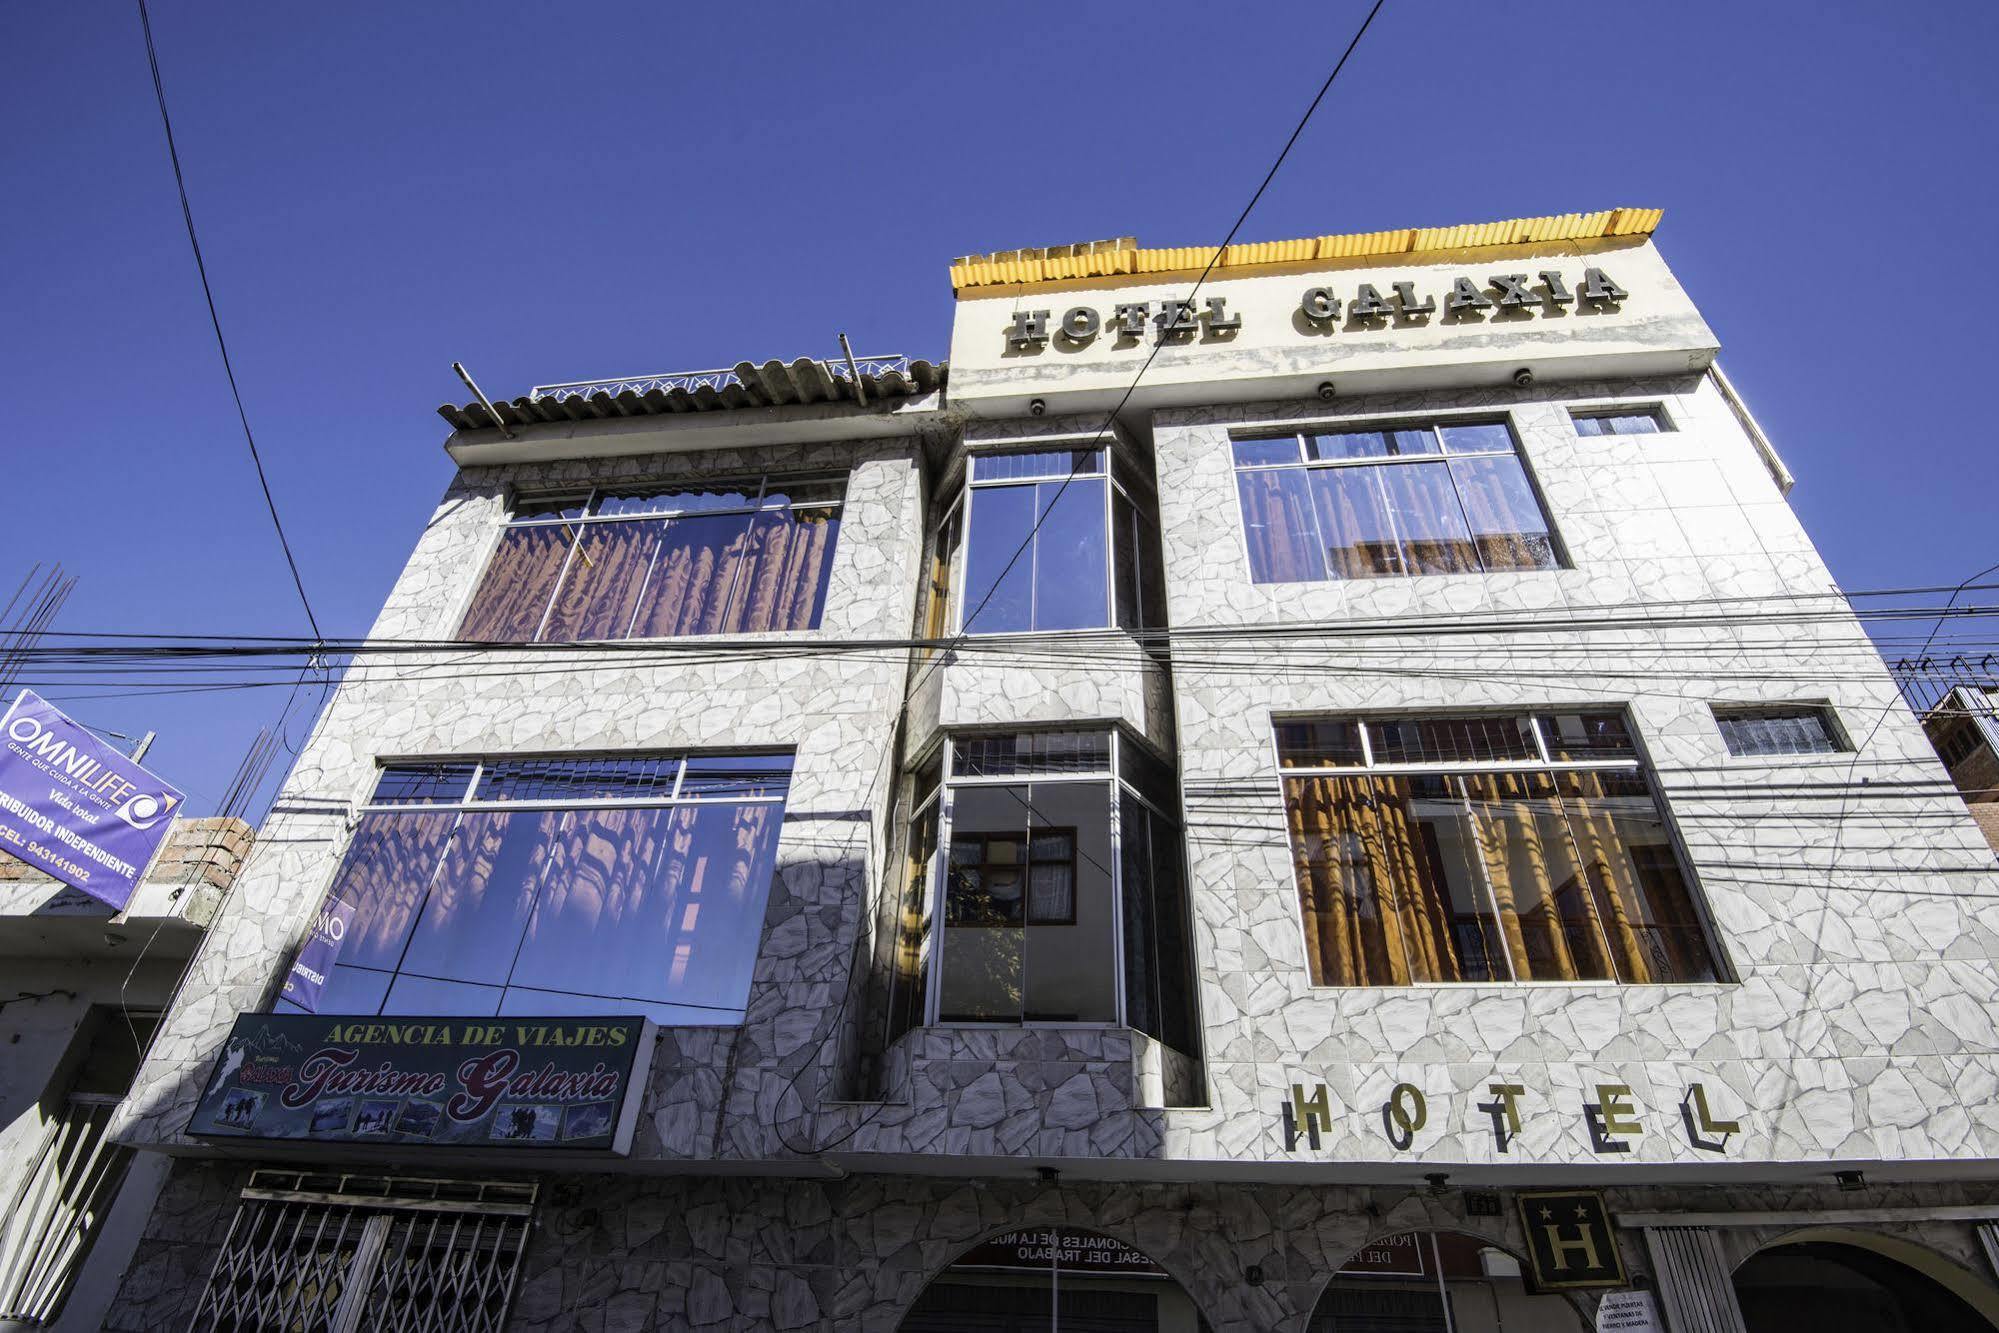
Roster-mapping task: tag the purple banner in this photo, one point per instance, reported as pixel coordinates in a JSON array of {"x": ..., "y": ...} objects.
[
  {"x": 73, "y": 807},
  {"x": 318, "y": 954}
]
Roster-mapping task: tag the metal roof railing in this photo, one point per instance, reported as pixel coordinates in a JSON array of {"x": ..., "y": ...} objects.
[{"x": 870, "y": 367}]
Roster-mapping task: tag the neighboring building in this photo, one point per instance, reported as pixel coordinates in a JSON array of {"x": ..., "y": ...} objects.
[
  {"x": 80, "y": 995},
  {"x": 1964, "y": 727},
  {"x": 1405, "y": 766}
]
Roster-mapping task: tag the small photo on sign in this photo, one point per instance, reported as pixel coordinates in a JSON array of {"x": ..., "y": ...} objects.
[
  {"x": 519, "y": 1123},
  {"x": 333, "y": 1115},
  {"x": 590, "y": 1121},
  {"x": 239, "y": 1108},
  {"x": 419, "y": 1119},
  {"x": 376, "y": 1117}
]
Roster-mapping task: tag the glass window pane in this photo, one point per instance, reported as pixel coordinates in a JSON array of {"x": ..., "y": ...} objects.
[
  {"x": 384, "y": 876},
  {"x": 1584, "y": 736},
  {"x": 1488, "y": 437},
  {"x": 427, "y": 995},
  {"x": 742, "y": 775},
  {"x": 606, "y": 575},
  {"x": 423, "y": 784},
  {"x": 1008, "y": 753},
  {"x": 1389, "y": 883},
  {"x": 471, "y": 925},
  {"x": 1416, "y": 440},
  {"x": 792, "y": 491},
  {"x": 551, "y": 506},
  {"x": 1056, "y": 463},
  {"x": 1071, "y": 968},
  {"x": 662, "y": 905},
  {"x": 1071, "y": 556},
  {"x": 692, "y": 575},
  {"x": 1592, "y": 426},
  {"x": 1424, "y": 508},
  {"x": 514, "y": 591},
  {"x": 1248, "y": 453},
  {"x": 787, "y": 565},
  {"x": 1506, "y": 519},
  {"x": 1124, "y": 547},
  {"x": 708, "y": 498},
  {"x": 984, "y": 963},
  {"x": 562, "y": 778},
  {"x": 1335, "y": 445},
  {"x": 352, "y": 990},
  {"x": 909, "y": 969},
  {"x": 999, "y": 574},
  {"x": 1319, "y": 743},
  {"x": 1451, "y": 740},
  {"x": 1143, "y": 1004},
  {"x": 1279, "y": 527},
  {"x": 1359, "y": 533},
  {"x": 1642, "y": 896},
  {"x": 1546, "y": 907},
  {"x": 1774, "y": 731}
]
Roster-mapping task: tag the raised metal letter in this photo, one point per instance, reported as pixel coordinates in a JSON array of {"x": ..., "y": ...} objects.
[
  {"x": 1080, "y": 324},
  {"x": 1405, "y": 296},
  {"x": 1367, "y": 304},
  {"x": 1513, "y": 291},
  {"x": 1598, "y": 288},
  {"x": 1320, "y": 304},
  {"x": 1464, "y": 296},
  {"x": 1219, "y": 319},
  {"x": 1030, "y": 329}
]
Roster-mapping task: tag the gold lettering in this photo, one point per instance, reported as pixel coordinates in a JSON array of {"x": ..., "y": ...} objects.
[
  {"x": 1319, "y": 1104},
  {"x": 1706, "y": 1117},
  {"x": 1620, "y": 1116},
  {"x": 1508, "y": 1095},
  {"x": 1559, "y": 1249}
]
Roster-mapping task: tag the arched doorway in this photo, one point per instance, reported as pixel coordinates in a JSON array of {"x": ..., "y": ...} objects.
[
  {"x": 1064, "y": 1280},
  {"x": 1437, "y": 1282},
  {"x": 1836, "y": 1287}
]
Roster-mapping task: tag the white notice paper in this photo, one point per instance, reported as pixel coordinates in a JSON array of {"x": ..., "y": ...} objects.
[{"x": 1628, "y": 1312}]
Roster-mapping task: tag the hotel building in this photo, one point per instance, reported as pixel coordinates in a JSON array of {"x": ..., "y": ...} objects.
[{"x": 1321, "y": 787}]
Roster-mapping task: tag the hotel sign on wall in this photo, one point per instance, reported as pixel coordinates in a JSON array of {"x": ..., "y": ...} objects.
[
  {"x": 1360, "y": 307},
  {"x": 1610, "y": 1124},
  {"x": 558, "y": 1083}
]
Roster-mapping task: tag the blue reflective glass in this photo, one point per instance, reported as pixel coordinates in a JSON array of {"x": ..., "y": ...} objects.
[
  {"x": 472, "y": 921},
  {"x": 1279, "y": 527},
  {"x": 1348, "y": 444},
  {"x": 742, "y": 775},
  {"x": 353, "y": 990},
  {"x": 1014, "y": 467},
  {"x": 1249, "y": 453},
  {"x": 428, "y": 995},
  {"x": 1071, "y": 557},
  {"x": 1490, "y": 437},
  {"x": 999, "y": 599}
]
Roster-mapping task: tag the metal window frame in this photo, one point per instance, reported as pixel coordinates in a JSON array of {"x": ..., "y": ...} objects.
[
  {"x": 1435, "y": 425},
  {"x": 1111, "y": 776},
  {"x": 589, "y": 517},
  {"x": 1638, "y": 763},
  {"x": 1840, "y": 742},
  {"x": 1654, "y": 409},
  {"x": 1108, "y": 472}
]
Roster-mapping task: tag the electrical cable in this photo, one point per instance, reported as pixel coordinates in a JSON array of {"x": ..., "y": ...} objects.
[{"x": 215, "y": 320}]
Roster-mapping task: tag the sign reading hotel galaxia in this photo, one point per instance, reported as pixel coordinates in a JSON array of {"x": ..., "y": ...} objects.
[
  {"x": 73, "y": 807},
  {"x": 498, "y": 1082}
]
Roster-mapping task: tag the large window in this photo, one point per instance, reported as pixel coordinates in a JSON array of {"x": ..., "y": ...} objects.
[
  {"x": 1493, "y": 848},
  {"x": 660, "y": 561},
  {"x": 1447, "y": 498},
  {"x": 1045, "y": 885},
  {"x": 1051, "y": 541},
  {"x": 558, "y": 886}
]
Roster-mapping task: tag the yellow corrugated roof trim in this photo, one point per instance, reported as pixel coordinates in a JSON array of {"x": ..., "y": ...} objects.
[{"x": 1103, "y": 259}]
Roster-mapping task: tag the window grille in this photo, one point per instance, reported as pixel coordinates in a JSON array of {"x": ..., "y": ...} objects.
[
  {"x": 1778, "y": 731},
  {"x": 316, "y": 1253}
]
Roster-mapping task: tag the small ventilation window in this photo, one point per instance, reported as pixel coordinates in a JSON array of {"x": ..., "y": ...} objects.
[
  {"x": 1778, "y": 731},
  {"x": 1621, "y": 421}
]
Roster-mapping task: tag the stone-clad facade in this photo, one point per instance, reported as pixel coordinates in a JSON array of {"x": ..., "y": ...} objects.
[{"x": 818, "y": 1165}]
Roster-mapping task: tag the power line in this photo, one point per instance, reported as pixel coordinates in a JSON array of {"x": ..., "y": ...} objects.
[{"x": 215, "y": 320}]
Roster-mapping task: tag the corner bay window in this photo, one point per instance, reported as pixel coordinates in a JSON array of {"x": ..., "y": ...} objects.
[
  {"x": 1448, "y": 498},
  {"x": 660, "y": 561},
  {"x": 559, "y": 885},
  {"x": 1047, "y": 541},
  {"x": 1505, "y": 848},
  {"x": 1045, "y": 885}
]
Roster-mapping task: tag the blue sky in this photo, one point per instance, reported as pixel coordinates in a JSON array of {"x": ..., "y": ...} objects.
[{"x": 558, "y": 192}]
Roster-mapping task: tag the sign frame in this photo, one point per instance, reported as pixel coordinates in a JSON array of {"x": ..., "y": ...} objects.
[{"x": 1543, "y": 1216}]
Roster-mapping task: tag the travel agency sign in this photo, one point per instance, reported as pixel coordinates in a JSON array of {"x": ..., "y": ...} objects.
[
  {"x": 73, "y": 807},
  {"x": 560, "y": 1083}
]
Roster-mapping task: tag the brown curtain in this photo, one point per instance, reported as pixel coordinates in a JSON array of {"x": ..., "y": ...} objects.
[
  {"x": 1360, "y": 541},
  {"x": 783, "y": 580},
  {"x": 604, "y": 582},
  {"x": 512, "y": 595},
  {"x": 1655, "y": 932},
  {"x": 1548, "y": 915},
  {"x": 1427, "y": 519},
  {"x": 1277, "y": 521},
  {"x": 1507, "y": 524},
  {"x": 688, "y": 592},
  {"x": 1371, "y": 894}
]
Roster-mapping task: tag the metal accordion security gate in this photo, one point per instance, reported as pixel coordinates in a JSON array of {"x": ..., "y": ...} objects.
[{"x": 318, "y": 1252}]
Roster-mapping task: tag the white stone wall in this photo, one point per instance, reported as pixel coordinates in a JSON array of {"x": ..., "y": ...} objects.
[{"x": 1858, "y": 920}]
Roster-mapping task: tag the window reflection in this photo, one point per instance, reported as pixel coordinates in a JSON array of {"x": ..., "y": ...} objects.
[{"x": 494, "y": 906}]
